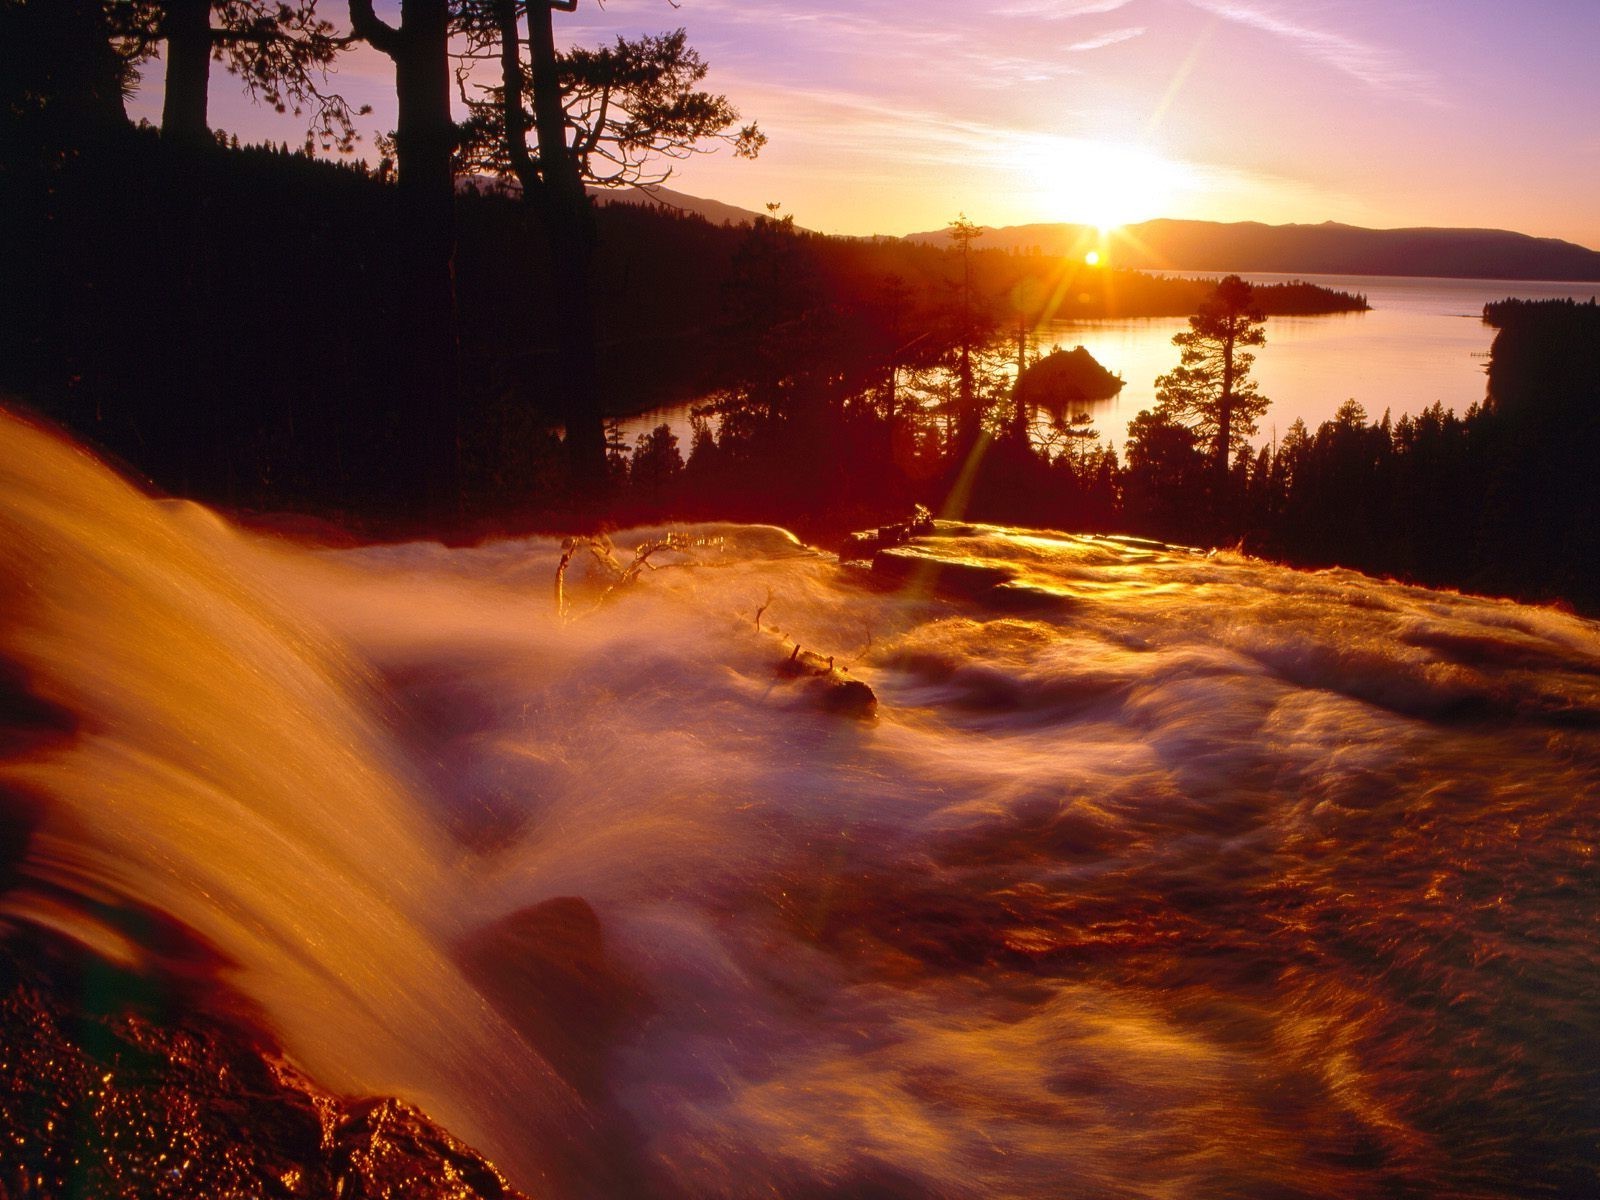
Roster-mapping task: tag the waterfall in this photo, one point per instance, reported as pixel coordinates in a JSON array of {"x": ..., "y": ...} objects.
[{"x": 1156, "y": 873}]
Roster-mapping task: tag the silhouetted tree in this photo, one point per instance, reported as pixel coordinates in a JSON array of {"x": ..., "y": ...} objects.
[
  {"x": 963, "y": 233},
  {"x": 656, "y": 462},
  {"x": 426, "y": 366},
  {"x": 279, "y": 49},
  {"x": 425, "y": 133},
  {"x": 595, "y": 117},
  {"x": 1164, "y": 471},
  {"x": 64, "y": 72},
  {"x": 1542, "y": 416},
  {"x": 1211, "y": 391}
]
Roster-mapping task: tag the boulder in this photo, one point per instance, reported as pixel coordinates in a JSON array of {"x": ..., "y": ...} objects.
[{"x": 114, "y": 1089}]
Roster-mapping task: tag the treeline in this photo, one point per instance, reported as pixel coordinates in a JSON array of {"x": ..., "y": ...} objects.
[
  {"x": 234, "y": 322},
  {"x": 1502, "y": 499},
  {"x": 1010, "y": 286},
  {"x": 230, "y": 323}
]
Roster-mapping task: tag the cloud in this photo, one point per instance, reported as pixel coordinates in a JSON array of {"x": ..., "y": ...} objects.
[
  {"x": 1375, "y": 66},
  {"x": 1109, "y": 38},
  {"x": 1058, "y": 10},
  {"x": 908, "y": 48},
  {"x": 941, "y": 46}
]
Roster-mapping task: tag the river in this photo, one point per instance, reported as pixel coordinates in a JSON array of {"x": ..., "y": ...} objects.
[
  {"x": 1424, "y": 341},
  {"x": 1155, "y": 875}
]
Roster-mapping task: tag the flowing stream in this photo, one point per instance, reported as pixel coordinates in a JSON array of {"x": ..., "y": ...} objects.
[{"x": 1155, "y": 875}]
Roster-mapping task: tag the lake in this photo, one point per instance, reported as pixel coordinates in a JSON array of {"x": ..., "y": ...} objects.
[{"x": 1423, "y": 341}]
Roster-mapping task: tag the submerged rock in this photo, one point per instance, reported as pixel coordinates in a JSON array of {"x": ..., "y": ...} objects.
[
  {"x": 861, "y": 547},
  {"x": 952, "y": 575},
  {"x": 112, "y": 1089},
  {"x": 836, "y": 690},
  {"x": 548, "y": 969}
]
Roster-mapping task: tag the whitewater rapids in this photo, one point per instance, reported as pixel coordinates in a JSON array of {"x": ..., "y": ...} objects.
[{"x": 1155, "y": 874}]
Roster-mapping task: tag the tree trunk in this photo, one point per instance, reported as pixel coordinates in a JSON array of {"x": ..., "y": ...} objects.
[
  {"x": 186, "y": 28},
  {"x": 1019, "y": 413},
  {"x": 425, "y": 384},
  {"x": 571, "y": 255},
  {"x": 569, "y": 226},
  {"x": 424, "y": 133},
  {"x": 1224, "y": 417}
]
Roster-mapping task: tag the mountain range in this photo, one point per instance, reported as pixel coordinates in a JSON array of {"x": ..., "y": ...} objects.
[
  {"x": 1326, "y": 249},
  {"x": 1169, "y": 245},
  {"x": 653, "y": 195}
]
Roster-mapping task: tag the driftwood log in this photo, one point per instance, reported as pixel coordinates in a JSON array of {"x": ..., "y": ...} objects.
[{"x": 835, "y": 688}]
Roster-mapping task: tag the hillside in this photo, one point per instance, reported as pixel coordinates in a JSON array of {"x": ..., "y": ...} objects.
[
  {"x": 1166, "y": 245},
  {"x": 655, "y": 196},
  {"x": 1326, "y": 249}
]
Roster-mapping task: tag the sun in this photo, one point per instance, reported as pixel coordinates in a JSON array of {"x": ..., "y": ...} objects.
[{"x": 1104, "y": 184}]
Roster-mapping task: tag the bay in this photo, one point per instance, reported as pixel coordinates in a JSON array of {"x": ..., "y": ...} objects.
[{"x": 1423, "y": 341}]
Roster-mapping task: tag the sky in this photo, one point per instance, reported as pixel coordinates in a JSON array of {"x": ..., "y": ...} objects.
[{"x": 894, "y": 116}]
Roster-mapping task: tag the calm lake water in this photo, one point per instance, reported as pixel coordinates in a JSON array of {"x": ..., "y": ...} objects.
[{"x": 1423, "y": 341}]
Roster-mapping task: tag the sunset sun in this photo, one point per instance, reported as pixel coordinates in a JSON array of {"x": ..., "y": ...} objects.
[
  {"x": 795, "y": 599},
  {"x": 1104, "y": 184}
]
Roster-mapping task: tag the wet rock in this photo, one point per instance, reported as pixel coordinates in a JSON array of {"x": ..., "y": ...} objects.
[
  {"x": 951, "y": 575},
  {"x": 110, "y": 1089},
  {"x": 379, "y": 1145},
  {"x": 547, "y": 969},
  {"x": 861, "y": 547},
  {"x": 836, "y": 690}
]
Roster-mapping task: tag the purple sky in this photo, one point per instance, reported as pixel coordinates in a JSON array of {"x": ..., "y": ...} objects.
[{"x": 887, "y": 116}]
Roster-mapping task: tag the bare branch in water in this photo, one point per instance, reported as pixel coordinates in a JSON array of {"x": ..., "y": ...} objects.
[
  {"x": 861, "y": 653},
  {"x": 568, "y": 547},
  {"x": 601, "y": 550}
]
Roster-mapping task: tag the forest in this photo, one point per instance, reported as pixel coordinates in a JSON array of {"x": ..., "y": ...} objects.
[{"x": 241, "y": 325}]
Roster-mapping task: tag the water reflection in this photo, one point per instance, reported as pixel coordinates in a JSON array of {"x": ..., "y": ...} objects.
[{"x": 1423, "y": 342}]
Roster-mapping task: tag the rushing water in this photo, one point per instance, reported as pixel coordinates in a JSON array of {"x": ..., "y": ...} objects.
[
  {"x": 1424, "y": 342},
  {"x": 1156, "y": 875}
]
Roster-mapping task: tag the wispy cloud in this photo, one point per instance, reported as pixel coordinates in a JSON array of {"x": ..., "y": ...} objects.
[
  {"x": 1058, "y": 10},
  {"x": 1110, "y": 38},
  {"x": 857, "y": 144},
  {"x": 941, "y": 40},
  {"x": 855, "y": 122},
  {"x": 1376, "y": 66},
  {"x": 943, "y": 48}
]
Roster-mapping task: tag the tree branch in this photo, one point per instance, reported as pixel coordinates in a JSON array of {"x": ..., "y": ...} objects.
[
  {"x": 599, "y": 121},
  {"x": 235, "y": 37},
  {"x": 514, "y": 119},
  {"x": 367, "y": 26}
]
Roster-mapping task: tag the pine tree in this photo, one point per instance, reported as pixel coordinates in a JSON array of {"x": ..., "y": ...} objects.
[{"x": 1211, "y": 391}]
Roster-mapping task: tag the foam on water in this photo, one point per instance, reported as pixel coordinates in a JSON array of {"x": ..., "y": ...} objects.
[{"x": 1157, "y": 874}]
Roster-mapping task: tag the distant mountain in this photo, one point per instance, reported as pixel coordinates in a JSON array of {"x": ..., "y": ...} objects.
[
  {"x": 714, "y": 211},
  {"x": 651, "y": 196},
  {"x": 1326, "y": 249}
]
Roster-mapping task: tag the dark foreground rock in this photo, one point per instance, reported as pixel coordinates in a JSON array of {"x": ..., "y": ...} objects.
[{"x": 111, "y": 1090}]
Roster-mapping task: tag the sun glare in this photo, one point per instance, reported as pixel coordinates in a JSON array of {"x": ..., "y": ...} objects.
[
  {"x": 1092, "y": 258},
  {"x": 1104, "y": 184}
]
